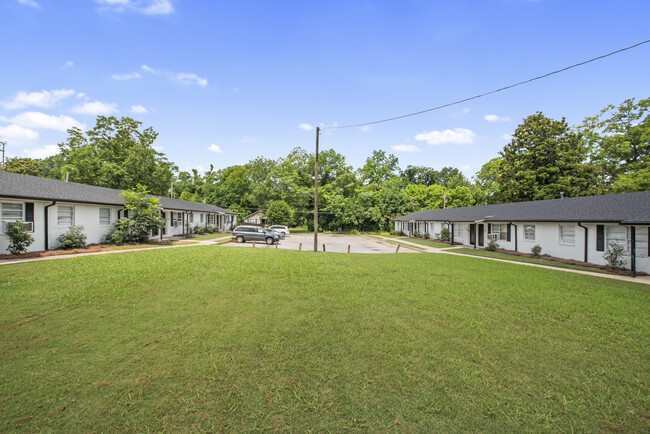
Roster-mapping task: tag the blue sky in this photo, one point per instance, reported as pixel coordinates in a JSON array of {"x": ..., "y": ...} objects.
[{"x": 224, "y": 82}]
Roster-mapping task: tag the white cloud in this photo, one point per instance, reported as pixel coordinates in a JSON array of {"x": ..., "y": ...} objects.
[
  {"x": 44, "y": 99},
  {"x": 126, "y": 76},
  {"x": 81, "y": 95},
  {"x": 47, "y": 151},
  {"x": 215, "y": 148},
  {"x": 458, "y": 136},
  {"x": 31, "y": 3},
  {"x": 147, "y": 7},
  {"x": 147, "y": 69},
  {"x": 95, "y": 108},
  {"x": 305, "y": 127},
  {"x": 42, "y": 120},
  {"x": 247, "y": 139},
  {"x": 69, "y": 64},
  {"x": 188, "y": 78},
  {"x": 507, "y": 137},
  {"x": 465, "y": 110},
  {"x": 18, "y": 134},
  {"x": 496, "y": 118},
  {"x": 365, "y": 128},
  {"x": 139, "y": 109},
  {"x": 405, "y": 148},
  {"x": 465, "y": 167}
]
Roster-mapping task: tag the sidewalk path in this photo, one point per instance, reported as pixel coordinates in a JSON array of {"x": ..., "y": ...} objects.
[{"x": 450, "y": 251}]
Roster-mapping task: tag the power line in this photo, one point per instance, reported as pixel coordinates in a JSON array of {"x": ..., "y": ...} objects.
[{"x": 539, "y": 77}]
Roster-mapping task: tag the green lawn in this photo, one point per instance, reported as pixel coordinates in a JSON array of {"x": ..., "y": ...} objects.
[
  {"x": 499, "y": 255},
  {"x": 212, "y": 236},
  {"x": 221, "y": 339}
]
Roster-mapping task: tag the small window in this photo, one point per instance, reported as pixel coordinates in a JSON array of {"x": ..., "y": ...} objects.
[
  {"x": 201, "y": 218},
  {"x": 65, "y": 215},
  {"x": 567, "y": 235},
  {"x": 191, "y": 217},
  {"x": 529, "y": 232},
  {"x": 498, "y": 231},
  {"x": 458, "y": 230},
  {"x": 104, "y": 216},
  {"x": 615, "y": 234},
  {"x": 11, "y": 212},
  {"x": 641, "y": 236}
]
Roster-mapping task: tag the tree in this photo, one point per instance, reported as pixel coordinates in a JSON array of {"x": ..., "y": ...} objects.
[
  {"x": 116, "y": 154},
  {"x": 421, "y": 175},
  {"x": 619, "y": 139},
  {"x": 379, "y": 168},
  {"x": 24, "y": 166},
  {"x": 278, "y": 212},
  {"x": 143, "y": 217},
  {"x": 544, "y": 159},
  {"x": 488, "y": 182}
]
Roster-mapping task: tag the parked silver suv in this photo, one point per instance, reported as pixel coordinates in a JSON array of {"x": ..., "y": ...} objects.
[{"x": 242, "y": 234}]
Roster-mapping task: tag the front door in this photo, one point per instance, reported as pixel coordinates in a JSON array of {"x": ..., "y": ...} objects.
[
  {"x": 472, "y": 234},
  {"x": 480, "y": 235}
]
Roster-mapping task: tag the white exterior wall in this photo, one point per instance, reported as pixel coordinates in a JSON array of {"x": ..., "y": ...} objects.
[
  {"x": 85, "y": 215},
  {"x": 547, "y": 236}
]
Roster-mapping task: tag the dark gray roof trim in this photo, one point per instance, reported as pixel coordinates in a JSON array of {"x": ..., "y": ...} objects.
[
  {"x": 626, "y": 208},
  {"x": 34, "y": 187}
]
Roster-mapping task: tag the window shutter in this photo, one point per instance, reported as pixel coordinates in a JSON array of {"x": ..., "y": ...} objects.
[
  {"x": 508, "y": 231},
  {"x": 29, "y": 212},
  {"x": 600, "y": 238}
]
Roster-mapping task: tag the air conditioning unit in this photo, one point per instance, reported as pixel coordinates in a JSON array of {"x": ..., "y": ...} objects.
[
  {"x": 27, "y": 225},
  {"x": 493, "y": 236}
]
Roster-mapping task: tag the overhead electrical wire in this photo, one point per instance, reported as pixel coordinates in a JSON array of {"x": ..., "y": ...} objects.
[{"x": 539, "y": 77}]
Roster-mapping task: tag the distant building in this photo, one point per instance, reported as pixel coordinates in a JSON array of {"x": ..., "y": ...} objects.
[
  {"x": 579, "y": 228},
  {"x": 256, "y": 218},
  {"x": 49, "y": 207}
]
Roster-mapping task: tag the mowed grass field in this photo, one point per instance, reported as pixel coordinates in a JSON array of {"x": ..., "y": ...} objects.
[{"x": 220, "y": 339}]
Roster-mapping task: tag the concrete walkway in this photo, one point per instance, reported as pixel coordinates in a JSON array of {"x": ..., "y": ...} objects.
[{"x": 450, "y": 251}]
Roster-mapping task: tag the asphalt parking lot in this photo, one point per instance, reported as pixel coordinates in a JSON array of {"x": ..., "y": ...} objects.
[{"x": 333, "y": 243}]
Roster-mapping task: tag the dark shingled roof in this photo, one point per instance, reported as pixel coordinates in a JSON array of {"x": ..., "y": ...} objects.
[
  {"x": 626, "y": 208},
  {"x": 34, "y": 187}
]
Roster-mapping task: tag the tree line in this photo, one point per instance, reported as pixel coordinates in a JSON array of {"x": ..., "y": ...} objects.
[{"x": 607, "y": 153}]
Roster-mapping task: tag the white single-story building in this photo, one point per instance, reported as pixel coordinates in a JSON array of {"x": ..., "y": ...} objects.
[
  {"x": 256, "y": 218},
  {"x": 579, "y": 228},
  {"x": 50, "y": 207}
]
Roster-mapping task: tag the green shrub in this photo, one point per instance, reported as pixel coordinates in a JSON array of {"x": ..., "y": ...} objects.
[
  {"x": 615, "y": 255},
  {"x": 445, "y": 235},
  {"x": 536, "y": 250},
  {"x": 492, "y": 246},
  {"x": 199, "y": 230},
  {"x": 74, "y": 238},
  {"x": 416, "y": 234},
  {"x": 427, "y": 235},
  {"x": 19, "y": 238},
  {"x": 353, "y": 232}
]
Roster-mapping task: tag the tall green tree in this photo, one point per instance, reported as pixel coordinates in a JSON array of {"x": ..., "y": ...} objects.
[
  {"x": 619, "y": 139},
  {"x": 278, "y": 213},
  {"x": 24, "y": 166},
  {"x": 379, "y": 168},
  {"x": 116, "y": 153},
  {"x": 544, "y": 158}
]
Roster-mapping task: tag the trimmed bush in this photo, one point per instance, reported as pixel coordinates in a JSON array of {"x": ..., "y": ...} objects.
[
  {"x": 74, "y": 238},
  {"x": 615, "y": 255},
  {"x": 445, "y": 235},
  {"x": 427, "y": 235},
  {"x": 492, "y": 246},
  {"x": 536, "y": 250},
  {"x": 19, "y": 238}
]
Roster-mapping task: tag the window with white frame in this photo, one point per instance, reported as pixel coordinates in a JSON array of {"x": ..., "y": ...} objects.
[
  {"x": 458, "y": 231},
  {"x": 529, "y": 232},
  {"x": 12, "y": 212},
  {"x": 567, "y": 235},
  {"x": 201, "y": 218},
  {"x": 641, "y": 236},
  {"x": 104, "y": 216},
  {"x": 616, "y": 234},
  {"x": 498, "y": 231},
  {"x": 191, "y": 217},
  {"x": 65, "y": 215}
]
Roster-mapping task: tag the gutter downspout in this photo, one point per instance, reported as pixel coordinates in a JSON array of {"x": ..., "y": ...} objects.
[
  {"x": 633, "y": 251},
  {"x": 516, "y": 238},
  {"x": 586, "y": 239},
  {"x": 47, "y": 225}
]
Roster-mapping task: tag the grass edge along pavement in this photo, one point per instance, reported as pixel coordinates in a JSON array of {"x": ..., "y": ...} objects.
[{"x": 197, "y": 339}]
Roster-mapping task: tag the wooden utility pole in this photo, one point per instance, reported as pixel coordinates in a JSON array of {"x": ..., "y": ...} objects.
[{"x": 316, "y": 193}]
